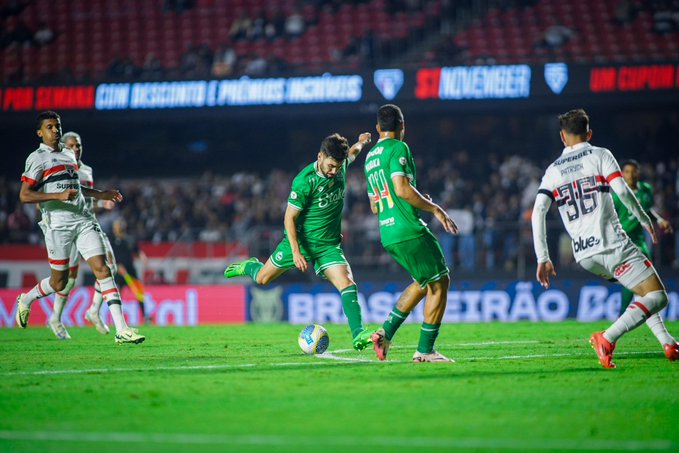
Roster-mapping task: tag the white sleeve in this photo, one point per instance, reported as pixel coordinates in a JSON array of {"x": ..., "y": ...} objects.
[
  {"x": 540, "y": 208},
  {"x": 609, "y": 166},
  {"x": 630, "y": 201}
]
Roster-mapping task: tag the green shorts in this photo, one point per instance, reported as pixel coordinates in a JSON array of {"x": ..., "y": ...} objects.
[
  {"x": 323, "y": 256},
  {"x": 422, "y": 257}
]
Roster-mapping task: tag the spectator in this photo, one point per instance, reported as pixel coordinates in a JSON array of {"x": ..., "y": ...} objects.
[
  {"x": 294, "y": 24},
  {"x": 255, "y": 66},
  {"x": 275, "y": 27},
  {"x": 555, "y": 36},
  {"x": 43, "y": 35},
  {"x": 152, "y": 69},
  {"x": 257, "y": 27},
  {"x": 239, "y": 27},
  {"x": 224, "y": 61}
]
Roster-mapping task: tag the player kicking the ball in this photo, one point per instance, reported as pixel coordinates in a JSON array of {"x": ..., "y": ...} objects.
[
  {"x": 313, "y": 226},
  {"x": 579, "y": 181}
]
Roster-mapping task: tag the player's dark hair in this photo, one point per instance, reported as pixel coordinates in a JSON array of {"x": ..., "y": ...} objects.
[
  {"x": 632, "y": 162},
  {"x": 575, "y": 122},
  {"x": 47, "y": 115},
  {"x": 335, "y": 146},
  {"x": 389, "y": 117}
]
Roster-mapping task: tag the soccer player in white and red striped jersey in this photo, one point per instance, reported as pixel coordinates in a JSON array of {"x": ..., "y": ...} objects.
[
  {"x": 73, "y": 141},
  {"x": 579, "y": 181},
  {"x": 51, "y": 179}
]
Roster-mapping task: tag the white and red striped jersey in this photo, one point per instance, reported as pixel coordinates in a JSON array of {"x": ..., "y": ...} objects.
[
  {"x": 52, "y": 171},
  {"x": 86, "y": 176},
  {"x": 579, "y": 182}
]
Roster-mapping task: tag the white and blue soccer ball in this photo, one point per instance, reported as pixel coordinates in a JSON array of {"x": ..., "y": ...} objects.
[{"x": 313, "y": 339}]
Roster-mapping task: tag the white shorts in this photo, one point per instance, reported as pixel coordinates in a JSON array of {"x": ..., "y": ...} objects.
[
  {"x": 625, "y": 264},
  {"x": 74, "y": 258},
  {"x": 84, "y": 238}
]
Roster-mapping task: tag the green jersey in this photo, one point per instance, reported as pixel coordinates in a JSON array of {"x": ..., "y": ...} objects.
[
  {"x": 399, "y": 220},
  {"x": 321, "y": 201},
  {"x": 630, "y": 224}
]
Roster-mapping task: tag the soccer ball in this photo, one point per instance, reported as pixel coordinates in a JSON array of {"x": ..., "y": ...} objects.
[{"x": 313, "y": 339}]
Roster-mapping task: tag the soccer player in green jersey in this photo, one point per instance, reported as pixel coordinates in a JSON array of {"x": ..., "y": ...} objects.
[
  {"x": 313, "y": 230},
  {"x": 644, "y": 193},
  {"x": 394, "y": 198}
]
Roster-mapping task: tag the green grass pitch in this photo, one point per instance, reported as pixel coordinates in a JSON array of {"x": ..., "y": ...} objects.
[{"x": 514, "y": 387}]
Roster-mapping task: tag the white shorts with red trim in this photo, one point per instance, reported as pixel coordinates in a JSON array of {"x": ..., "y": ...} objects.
[
  {"x": 84, "y": 238},
  {"x": 625, "y": 264},
  {"x": 74, "y": 257}
]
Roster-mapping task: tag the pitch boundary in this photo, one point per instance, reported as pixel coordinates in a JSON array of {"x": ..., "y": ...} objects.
[{"x": 340, "y": 441}]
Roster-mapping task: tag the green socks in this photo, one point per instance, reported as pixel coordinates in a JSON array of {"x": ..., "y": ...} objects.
[
  {"x": 428, "y": 334},
  {"x": 252, "y": 268},
  {"x": 352, "y": 309},
  {"x": 393, "y": 322}
]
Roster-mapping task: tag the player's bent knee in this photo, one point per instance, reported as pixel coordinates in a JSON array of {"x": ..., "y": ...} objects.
[
  {"x": 655, "y": 301},
  {"x": 101, "y": 271}
]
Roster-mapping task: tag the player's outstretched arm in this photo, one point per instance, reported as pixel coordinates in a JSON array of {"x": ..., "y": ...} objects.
[
  {"x": 363, "y": 140},
  {"x": 665, "y": 225},
  {"x": 110, "y": 195},
  {"x": 632, "y": 204},
  {"x": 412, "y": 196},
  {"x": 290, "y": 222},
  {"x": 28, "y": 194},
  {"x": 545, "y": 266}
]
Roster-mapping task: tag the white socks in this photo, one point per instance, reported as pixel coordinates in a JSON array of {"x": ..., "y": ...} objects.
[
  {"x": 42, "y": 289},
  {"x": 60, "y": 299},
  {"x": 110, "y": 294},
  {"x": 636, "y": 314}
]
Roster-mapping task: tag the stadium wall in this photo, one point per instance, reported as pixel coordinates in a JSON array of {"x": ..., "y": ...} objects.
[{"x": 468, "y": 301}]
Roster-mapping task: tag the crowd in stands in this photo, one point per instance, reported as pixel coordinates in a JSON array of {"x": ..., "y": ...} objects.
[{"x": 288, "y": 37}]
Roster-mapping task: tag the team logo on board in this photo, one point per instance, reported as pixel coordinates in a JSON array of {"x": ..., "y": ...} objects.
[
  {"x": 266, "y": 306},
  {"x": 388, "y": 82},
  {"x": 556, "y": 76}
]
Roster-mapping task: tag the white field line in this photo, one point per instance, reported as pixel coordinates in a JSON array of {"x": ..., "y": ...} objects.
[
  {"x": 329, "y": 356},
  {"x": 347, "y": 441}
]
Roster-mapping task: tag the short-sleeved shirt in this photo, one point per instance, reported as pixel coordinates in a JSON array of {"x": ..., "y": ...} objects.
[
  {"x": 52, "y": 171},
  {"x": 398, "y": 220},
  {"x": 629, "y": 222},
  {"x": 320, "y": 200},
  {"x": 578, "y": 181}
]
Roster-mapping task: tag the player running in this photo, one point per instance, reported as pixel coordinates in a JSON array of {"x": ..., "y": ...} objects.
[
  {"x": 394, "y": 198},
  {"x": 313, "y": 227},
  {"x": 644, "y": 193},
  {"x": 579, "y": 181},
  {"x": 51, "y": 179},
  {"x": 73, "y": 141}
]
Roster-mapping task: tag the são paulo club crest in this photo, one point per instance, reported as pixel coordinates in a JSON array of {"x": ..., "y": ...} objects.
[
  {"x": 388, "y": 81},
  {"x": 556, "y": 76}
]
